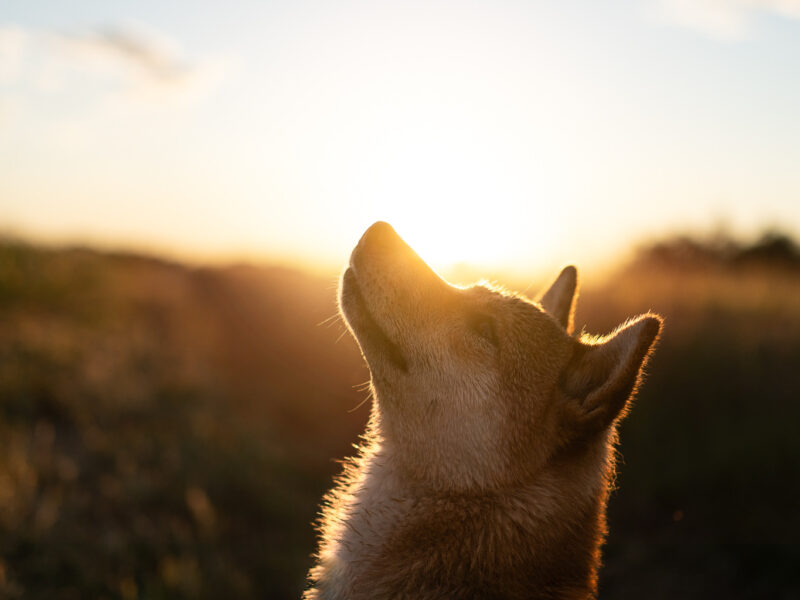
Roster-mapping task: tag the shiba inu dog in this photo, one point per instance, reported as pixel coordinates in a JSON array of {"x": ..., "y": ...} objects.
[{"x": 486, "y": 464}]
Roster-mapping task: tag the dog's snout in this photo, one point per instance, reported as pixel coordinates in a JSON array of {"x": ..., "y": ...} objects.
[{"x": 382, "y": 255}]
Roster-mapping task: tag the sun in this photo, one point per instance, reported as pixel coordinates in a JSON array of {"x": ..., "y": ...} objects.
[
  {"x": 454, "y": 201},
  {"x": 459, "y": 183},
  {"x": 455, "y": 208},
  {"x": 444, "y": 239}
]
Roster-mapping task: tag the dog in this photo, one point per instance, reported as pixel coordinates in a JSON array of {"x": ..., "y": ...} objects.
[{"x": 488, "y": 457}]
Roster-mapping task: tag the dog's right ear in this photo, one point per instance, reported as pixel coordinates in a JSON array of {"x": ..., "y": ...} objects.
[
  {"x": 559, "y": 299},
  {"x": 603, "y": 375}
]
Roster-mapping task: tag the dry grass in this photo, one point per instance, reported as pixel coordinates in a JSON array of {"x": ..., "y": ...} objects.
[{"x": 166, "y": 432}]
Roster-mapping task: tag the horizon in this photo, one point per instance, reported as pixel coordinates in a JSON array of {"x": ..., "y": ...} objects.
[{"x": 720, "y": 241}]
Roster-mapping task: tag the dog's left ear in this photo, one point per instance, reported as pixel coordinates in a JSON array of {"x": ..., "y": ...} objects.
[
  {"x": 559, "y": 299},
  {"x": 602, "y": 376}
]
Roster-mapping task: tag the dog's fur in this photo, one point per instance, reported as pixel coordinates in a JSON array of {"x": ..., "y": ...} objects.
[{"x": 487, "y": 460}]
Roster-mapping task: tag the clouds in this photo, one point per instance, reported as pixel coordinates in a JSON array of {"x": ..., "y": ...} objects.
[
  {"x": 728, "y": 20},
  {"x": 106, "y": 64},
  {"x": 142, "y": 61}
]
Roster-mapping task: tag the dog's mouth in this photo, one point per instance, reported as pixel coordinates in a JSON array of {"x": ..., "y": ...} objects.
[{"x": 370, "y": 335}]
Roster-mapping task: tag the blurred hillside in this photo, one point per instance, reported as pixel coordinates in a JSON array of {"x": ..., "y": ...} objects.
[
  {"x": 167, "y": 431},
  {"x": 164, "y": 431}
]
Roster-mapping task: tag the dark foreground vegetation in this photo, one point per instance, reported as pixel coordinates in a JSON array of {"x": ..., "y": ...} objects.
[{"x": 167, "y": 432}]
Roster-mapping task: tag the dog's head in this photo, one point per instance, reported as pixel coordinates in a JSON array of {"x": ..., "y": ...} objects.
[{"x": 476, "y": 386}]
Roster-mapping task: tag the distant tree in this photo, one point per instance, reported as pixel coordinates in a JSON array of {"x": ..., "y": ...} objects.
[
  {"x": 720, "y": 250},
  {"x": 773, "y": 248}
]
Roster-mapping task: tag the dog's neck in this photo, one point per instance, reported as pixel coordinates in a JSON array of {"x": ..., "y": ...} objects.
[{"x": 544, "y": 534}]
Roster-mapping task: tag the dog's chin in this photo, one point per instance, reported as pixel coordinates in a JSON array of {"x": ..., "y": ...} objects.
[{"x": 378, "y": 348}]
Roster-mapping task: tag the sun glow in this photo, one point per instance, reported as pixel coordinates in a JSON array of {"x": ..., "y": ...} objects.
[
  {"x": 442, "y": 139},
  {"x": 455, "y": 206},
  {"x": 474, "y": 197}
]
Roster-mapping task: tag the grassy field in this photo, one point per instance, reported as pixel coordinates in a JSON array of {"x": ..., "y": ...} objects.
[{"x": 167, "y": 431}]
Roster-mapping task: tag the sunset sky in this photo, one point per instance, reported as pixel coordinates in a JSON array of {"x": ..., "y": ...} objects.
[{"x": 520, "y": 134}]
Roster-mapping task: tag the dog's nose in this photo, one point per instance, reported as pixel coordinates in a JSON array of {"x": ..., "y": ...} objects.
[
  {"x": 379, "y": 233},
  {"x": 381, "y": 238}
]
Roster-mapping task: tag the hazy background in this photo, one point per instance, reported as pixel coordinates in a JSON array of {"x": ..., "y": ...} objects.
[{"x": 180, "y": 184}]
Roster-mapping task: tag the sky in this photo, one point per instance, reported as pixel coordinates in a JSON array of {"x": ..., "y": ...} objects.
[{"x": 520, "y": 135}]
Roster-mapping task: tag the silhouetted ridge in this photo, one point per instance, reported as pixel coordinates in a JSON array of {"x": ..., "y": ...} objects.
[{"x": 773, "y": 248}]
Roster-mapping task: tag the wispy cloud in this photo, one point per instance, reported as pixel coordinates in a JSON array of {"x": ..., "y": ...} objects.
[
  {"x": 729, "y": 20},
  {"x": 127, "y": 61},
  {"x": 143, "y": 60}
]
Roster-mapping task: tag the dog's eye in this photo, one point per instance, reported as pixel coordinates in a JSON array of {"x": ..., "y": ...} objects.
[{"x": 484, "y": 326}]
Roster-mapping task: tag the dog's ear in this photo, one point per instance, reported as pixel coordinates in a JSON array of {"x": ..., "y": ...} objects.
[
  {"x": 603, "y": 375},
  {"x": 559, "y": 299}
]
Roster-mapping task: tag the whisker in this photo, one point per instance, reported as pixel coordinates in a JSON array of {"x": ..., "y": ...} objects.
[
  {"x": 330, "y": 320},
  {"x": 341, "y": 335},
  {"x": 362, "y": 387},
  {"x": 360, "y": 404}
]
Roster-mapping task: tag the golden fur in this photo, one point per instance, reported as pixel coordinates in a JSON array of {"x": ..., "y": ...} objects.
[{"x": 486, "y": 464}]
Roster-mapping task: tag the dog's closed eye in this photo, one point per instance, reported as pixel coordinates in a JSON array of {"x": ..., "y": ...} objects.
[{"x": 484, "y": 326}]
